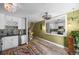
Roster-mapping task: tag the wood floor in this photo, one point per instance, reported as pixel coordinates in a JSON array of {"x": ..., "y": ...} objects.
[
  {"x": 36, "y": 46},
  {"x": 43, "y": 47}
]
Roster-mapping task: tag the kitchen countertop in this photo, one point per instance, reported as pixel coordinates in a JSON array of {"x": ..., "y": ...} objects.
[{"x": 1, "y": 36}]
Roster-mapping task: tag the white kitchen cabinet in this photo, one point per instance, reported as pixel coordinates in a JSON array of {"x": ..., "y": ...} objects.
[
  {"x": 15, "y": 41},
  {"x": 21, "y": 23},
  {"x": 6, "y": 43},
  {"x": 9, "y": 42},
  {"x": 8, "y": 18},
  {"x": 11, "y": 21},
  {"x": 2, "y": 21},
  {"x": 15, "y": 19},
  {"x": 3, "y": 41},
  {"x": 24, "y": 39}
]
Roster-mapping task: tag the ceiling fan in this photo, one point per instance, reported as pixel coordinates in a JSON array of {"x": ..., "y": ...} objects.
[{"x": 46, "y": 16}]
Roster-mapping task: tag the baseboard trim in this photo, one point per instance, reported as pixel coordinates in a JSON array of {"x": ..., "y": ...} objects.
[{"x": 53, "y": 43}]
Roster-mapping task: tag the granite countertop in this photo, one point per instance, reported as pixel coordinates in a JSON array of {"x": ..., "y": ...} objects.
[{"x": 10, "y": 35}]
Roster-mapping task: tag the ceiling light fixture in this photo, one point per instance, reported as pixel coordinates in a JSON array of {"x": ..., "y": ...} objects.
[
  {"x": 10, "y": 7},
  {"x": 46, "y": 16}
]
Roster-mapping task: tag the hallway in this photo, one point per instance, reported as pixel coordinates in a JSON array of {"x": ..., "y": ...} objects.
[{"x": 37, "y": 46}]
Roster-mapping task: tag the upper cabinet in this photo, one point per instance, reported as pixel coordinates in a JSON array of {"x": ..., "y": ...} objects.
[
  {"x": 2, "y": 21},
  {"x": 21, "y": 23},
  {"x": 11, "y": 21},
  {"x": 7, "y": 20},
  {"x": 57, "y": 26}
]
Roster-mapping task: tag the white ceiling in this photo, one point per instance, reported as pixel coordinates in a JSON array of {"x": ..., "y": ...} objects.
[{"x": 34, "y": 11}]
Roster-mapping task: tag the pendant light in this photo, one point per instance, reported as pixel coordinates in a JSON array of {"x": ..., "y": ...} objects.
[{"x": 46, "y": 16}]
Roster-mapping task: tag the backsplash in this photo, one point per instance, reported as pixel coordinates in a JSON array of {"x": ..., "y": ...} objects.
[{"x": 12, "y": 32}]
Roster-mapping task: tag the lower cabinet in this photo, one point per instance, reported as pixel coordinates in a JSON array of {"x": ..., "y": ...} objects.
[
  {"x": 24, "y": 39},
  {"x": 9, "y": 42}
]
